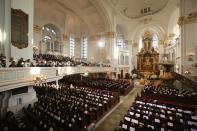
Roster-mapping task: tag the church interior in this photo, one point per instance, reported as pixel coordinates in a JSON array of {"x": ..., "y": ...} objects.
[{"x": 98, "y": 65}]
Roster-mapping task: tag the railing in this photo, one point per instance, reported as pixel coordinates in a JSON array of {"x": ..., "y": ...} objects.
[{"x": 15, "y": 77}]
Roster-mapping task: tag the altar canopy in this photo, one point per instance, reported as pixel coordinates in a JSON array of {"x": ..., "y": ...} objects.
[{"x": 148, "y": 57}]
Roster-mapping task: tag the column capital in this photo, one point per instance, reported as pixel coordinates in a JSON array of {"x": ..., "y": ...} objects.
[
  {"x": 37, "y": 29},
  {"x": 190, "y": 18},
  {"x": 110, "y": 34},
  {"x": 65, "y": 37}
]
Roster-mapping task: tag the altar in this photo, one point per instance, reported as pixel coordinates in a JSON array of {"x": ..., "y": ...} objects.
[{"x": 148, "y": 57}]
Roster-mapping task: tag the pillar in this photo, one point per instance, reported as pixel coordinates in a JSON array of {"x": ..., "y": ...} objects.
[
  {"x": 130, "y": 49},
  {"x": 110, "y": 48},
  {"x": 188, "y": 23},
  {"x": 5, "y": 27}
]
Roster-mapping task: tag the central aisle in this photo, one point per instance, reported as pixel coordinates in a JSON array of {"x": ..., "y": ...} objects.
[{"x": 112, "y": 121}]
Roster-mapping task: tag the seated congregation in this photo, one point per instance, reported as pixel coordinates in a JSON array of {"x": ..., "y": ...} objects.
[
  {"x": 63, "y": 108},
  {"x": 161, "y": 108},
  {"x": 165, "y": 92},
  {"x": 121, "y": 86}
]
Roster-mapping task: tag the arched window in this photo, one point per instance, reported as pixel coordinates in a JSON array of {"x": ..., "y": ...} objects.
[
  {"x": 155, "y": 41},
  {"x": 120, "y": 41},
  {"x": 140, "y": 43},
  {"x": 72, "y": 46},
  {"x": 84, "y": 47},
  {"x": 51, "y": 37},
  {"x": 176, "y": 31}
]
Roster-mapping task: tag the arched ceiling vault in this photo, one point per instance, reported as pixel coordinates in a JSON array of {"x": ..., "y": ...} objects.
[
  {"x": 80, "y": 16},
  {"x": 152, "y": 28}
]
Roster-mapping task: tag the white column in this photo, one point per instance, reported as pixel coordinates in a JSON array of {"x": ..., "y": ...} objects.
[
  {"x": 5, "y": 27},
  {"x": 130, "y": 49},
  {"x": 188, "y": 33},
  {"x": 110, "y": 44}
]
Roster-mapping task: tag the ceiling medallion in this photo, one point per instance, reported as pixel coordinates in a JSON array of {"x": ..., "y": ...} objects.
[{"x": 134, "y": 13}]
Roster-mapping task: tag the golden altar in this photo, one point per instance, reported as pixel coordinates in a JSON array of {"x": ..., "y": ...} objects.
[{"x": 148, "y": 57}]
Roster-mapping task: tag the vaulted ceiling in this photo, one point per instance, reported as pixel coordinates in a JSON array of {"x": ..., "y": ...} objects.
[
  {"x": 75, "y": 16},
  {"x": 89, "y": 16}
]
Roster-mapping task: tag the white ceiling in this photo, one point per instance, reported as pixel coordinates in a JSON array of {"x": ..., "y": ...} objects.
[
  {"x": 87, "y": 16},
  {"x": 78, "y": 16},
  {"x": 132, "y": 8}
]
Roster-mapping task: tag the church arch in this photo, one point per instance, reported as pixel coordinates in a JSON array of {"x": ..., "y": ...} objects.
[{"x": 51, "y": 39}]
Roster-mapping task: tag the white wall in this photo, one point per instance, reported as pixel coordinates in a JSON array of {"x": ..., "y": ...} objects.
[
  {"x": 28, "y": 7},
  {"x": 188, "y": 34},
  {"x": 27, "y": 98}
]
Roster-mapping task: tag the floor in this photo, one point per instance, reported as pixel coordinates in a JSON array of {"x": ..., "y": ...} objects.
[{"x": 112, "y": 120}]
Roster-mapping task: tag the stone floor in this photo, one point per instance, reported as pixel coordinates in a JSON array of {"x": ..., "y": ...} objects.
[{"x": 113, "y": 119}]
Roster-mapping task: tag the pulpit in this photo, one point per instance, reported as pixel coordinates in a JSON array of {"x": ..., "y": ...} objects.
[{"x": 148, "y": 57}]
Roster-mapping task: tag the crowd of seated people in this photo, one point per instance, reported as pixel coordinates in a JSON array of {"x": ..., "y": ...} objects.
[
  {"x": 52, "y": 60},
  {"x": 171, "y": 92},
  {"x": 65, "y": 108},
  {"x": 165, "y": 90},
  {"x": 154, "y": 115},
  {"x": 123, "y": 87},
  {"x": 49, "y": 60},
  {"x": 45, "y": 60},
  {"x": 162, "y": 107},
  {"x": 15, "y": 63}
]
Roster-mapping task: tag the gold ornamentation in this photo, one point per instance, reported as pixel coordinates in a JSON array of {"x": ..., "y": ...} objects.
[
  {"x": 147, "y": 34},
  {"x": 190, "y": 18},
  {"x": 161, "y": 42},
  {"x": 37, "y": 29},
  {"x": 110, "y": 34},
  {"x": 171, "y": 35},
  {"x": 98, "y": 36},
  {"x": 65, "y": 37}
]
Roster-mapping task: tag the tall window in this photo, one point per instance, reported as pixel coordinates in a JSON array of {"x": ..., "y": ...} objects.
[
  {"x": 155, "y": 41},
  {"x": 52, "y": 38},
  {"x": 72, "y": 46},
  {"x": 120, "y": 41},
  {"x": 84, "y": 47}
]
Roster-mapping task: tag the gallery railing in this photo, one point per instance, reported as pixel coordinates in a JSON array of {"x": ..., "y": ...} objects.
[{"x": 16, "y": 77}]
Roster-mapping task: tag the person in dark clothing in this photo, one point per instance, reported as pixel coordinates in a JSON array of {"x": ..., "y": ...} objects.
[{"x": 20, "y": 63}]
